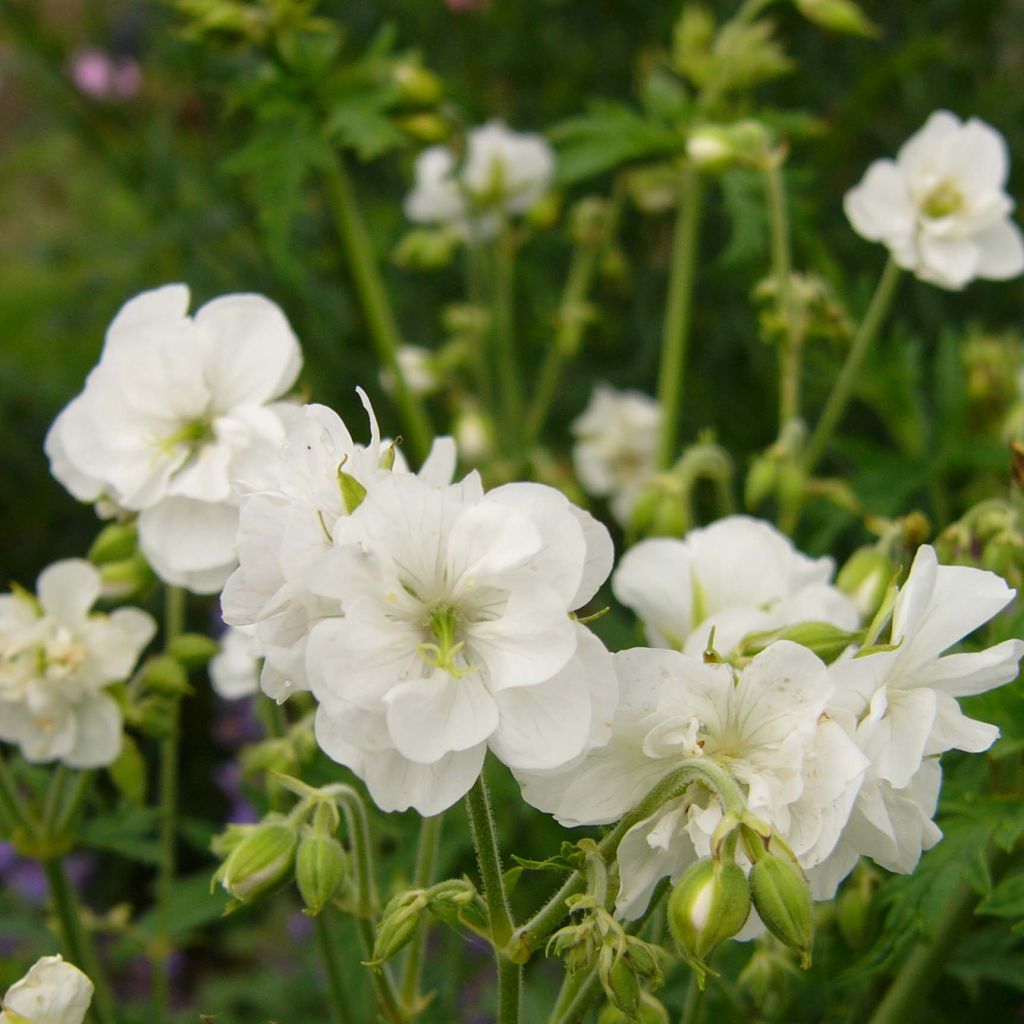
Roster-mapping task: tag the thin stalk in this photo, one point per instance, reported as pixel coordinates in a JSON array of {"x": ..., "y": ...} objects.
[
  {"x": 676, "y": 331},
  {"x": 380, "y": 319},
  {"x": 423, "y": 876},
  {"x": 341, "y": 1010},
  {"x": 511, "y": 387},
  {"x": 843, "y": 387},
  {"x": 174, "y": 621},
  {"x": 383, "y": 983},
  {"x": 73, "y": 799},
  {"x": 55, "y": 797},
  {"x": 572, "y": 324},
  {"x": 694, "y": 1002},
  {"x": 476, "y": 294},
  {"x": 11, "y": 804},
  {"x": 77, "y": 939},
  {"x": 790, "y": 346},
  {"x": 905, "y": 999},
  {"x": 485, "y": 842}
]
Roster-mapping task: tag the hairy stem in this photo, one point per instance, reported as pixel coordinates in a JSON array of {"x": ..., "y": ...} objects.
[
  {"x": 843, "y": 387},
  {"x": 423, "y": 876},
  {"x": 380, "y": 319},
  {"x": 676, "y": 331}
]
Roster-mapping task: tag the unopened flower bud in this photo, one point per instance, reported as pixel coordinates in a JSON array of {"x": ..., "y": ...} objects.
[
  {"x": 839, "y": 16},
  {"x": 823, "y": 638},
  {"x": 165, "y": 675},
  {"x": 321, "y": 867},
  {"x": 709, "y": 148},
  {"x": 710, "y": 904},
  {"x": 762, "y": 481},
  {"x": 426, "y": 249},
  {"x": 259, "y": 861},
  {"x": 416, "y": 85},
  {"x": 618, "y": 979},
  {"x": 125, "y": 577},
  {"x": 398, "y": 924},
  {"x": 650, "y": 1011},
  {"x": 588, "y": 220},
  {"x": 660, "y": 511},
  {"x": 782, "y": 899},
  {"x": 425, "y": 126},
  {"x": 642, "y": 957},
  {"x": 115, "y": 542},
  {"x": 447, "y": 900},
  {"x": 193, "y": 650},
  {"x": 865, "y": 578}
]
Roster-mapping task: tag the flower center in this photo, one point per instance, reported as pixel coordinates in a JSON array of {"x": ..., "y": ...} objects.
[
  {"x": 943, "y": 200},
  {"x": 193, "y": 436},
  {"x": 442, "y": 622},
  {"x": 61, "y": 656}
]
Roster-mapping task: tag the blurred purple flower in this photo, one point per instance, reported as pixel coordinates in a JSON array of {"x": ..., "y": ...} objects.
[
  {"x": 467, "y": 6},
  {"x": 103, "y": 77},
  {"x": 237, "y": 723}
]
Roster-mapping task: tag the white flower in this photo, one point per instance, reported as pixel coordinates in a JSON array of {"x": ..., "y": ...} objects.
[
  {"x": 900, "y": 707},
  {"x": 798, "y": 771},
  {"x": 419, "y": 371},
  {"x": 235, "y": 669},
  {"x": 53, "y": 992},
  {"x": 616, "y": 446},
  {"x": 940, "y": 208},
  {"x": 503, "y": 173},
  {"x": 177, "y": 411},
  {"x": 56, "y": 659},
  {"x": 738, "y": 575},
  {"x": 286, "y": 527},
  {"x": 456, "y": 637}
]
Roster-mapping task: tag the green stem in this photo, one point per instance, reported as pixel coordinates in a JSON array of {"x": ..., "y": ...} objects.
[
  {"x": 376, "y": 307},
  {"x": 383, "y": 983},
  {"x": 55, "y": 798},
  {"x": 694, "y": 1002},
  {"x": 843, "y": 387},
  {"x": 675, "y": 334},
  {"x": 423, "y": 877},
  {"x": 905, "y": 999},
  {"x": 73, "y": 800},
  {"x": 11, "y": 805},
  {"x": 533, "y": 933},
  {"x": 511, "y": 388},
  {"x": 485, "y": 841},
  {"x": 77, "y": 939},
  {"x": 174, "y": 622},
  {"x": 341, "y": 1009},
  {"x": 790, "y": 345}
]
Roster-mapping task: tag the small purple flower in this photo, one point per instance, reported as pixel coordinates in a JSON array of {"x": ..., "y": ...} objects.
[{"x": 103, "y": 77}]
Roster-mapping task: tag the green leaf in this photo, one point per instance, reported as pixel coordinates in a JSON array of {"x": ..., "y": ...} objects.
[
  {"x": 130, "y": 832},
  {"x": 1006, "y": 899},
  {"x": 191, "y": 906},
  {"x": 128, "y": 773}
]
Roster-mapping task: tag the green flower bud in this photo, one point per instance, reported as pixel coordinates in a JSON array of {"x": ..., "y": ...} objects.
[
  {"x": 618, "y": 979},
  {"x": 426, "y": 248},
  {"x": 114, "y": 543},
  {"x": 710, "y": 904},
  {"x": 762, "y": 481},
  {"x": 783, "y": 901},
  {"x": 865, "y": 578},
  {"x": 447, "y": 900},
  {"x": 710, "y": 148},
  {"x": 398, "y": 924},
  {"x": 124, "y": 578},
  {"x": 826, "y": 640},
  {"x": 425, "y": 126},
  {"x": 588, "y": 220},
  {"x": 651, "y": 1012},
  {"x": 416, "y": 85},
  {"x": 321, "y": 867},
  {"x": 642, "y": 957},
  {"x": 545, "y": 211},
  {"x": 166, "y": 676},
  {"x": 839, "y": 16},
  {"x": 259, "y": 861},
  {"x": 193, "y": 650},
  {"x": 661, "y": 510}
]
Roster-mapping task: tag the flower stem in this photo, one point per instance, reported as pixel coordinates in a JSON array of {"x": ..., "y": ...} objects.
[
  {"x": 423, "y": 876},
  {"x": 77, "y": 939},
  {"x": 341, "y": 1010},
  {"x": 791, "y": 344},
  {"x": 925, "y": 964},
  {"x": 843, "y": 387},
  {"x": 485, "y": 841},
  {"x": 675, "y": 334},
  {"x": 174, "y": 621},
  {"x": 510, "y": 388},
  {"x": 11, "y": 805},
  {"x": 383, "y": 983},
  {"x": 380, "y": 318}
]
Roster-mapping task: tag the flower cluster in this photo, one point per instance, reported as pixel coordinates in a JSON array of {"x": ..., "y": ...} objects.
[
  {"x": 57, "y": 660},
  {"x": 177, "y": 413},
  {"x": 502, "y": 173}
]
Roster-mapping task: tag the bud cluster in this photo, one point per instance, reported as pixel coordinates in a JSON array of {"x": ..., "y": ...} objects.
[{"x": 452, "y": 901}]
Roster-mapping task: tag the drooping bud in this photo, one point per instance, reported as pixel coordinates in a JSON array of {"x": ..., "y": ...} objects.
[
  {"x": 782, "y": 899},
  {"x": 447, "y": 900},
  {"x": 426, "y": 248},
  {"x": 260, "y": 860},
  {"x": 661, "y": 510},
  {"x": 398, "y": 924},
  {"x": 710, "y": 904},
  {"x": 416, "y": 85},
  {"x": 193, "y": 650},
  {"x": 865, "y": 578},
  {"x": 114, "y": 543},
  {"x": 618, "y": 979},
  {"x": 166, "y": 675},
  {"x": 321, "y": 864},
  {"x": 839, "y": 16},
  {"x": 425, "y": 126},
  {"x": 651, "y": 1011},
  {"x": 125, "y": 577}
]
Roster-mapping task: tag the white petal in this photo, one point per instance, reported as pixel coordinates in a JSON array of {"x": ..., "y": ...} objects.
[
  {"x": 653, "y": 580},
  {"x": 98, "y": 733},
  {"x": 1002, "y": 251},
  {"x": 252, "y": 354},
  {"x": 880, "y": 207},
  {"x": 429, "y": 718},
  {"x": 68, "y": 589},
  {"x": 948, "y": 262},
  {"x": 895, "y": 743},
  {"x": 953, "y": 730},
  {"x": 963, "y": 675},
  {"x": 438, "y": 469},
  {"x": 53, "y": 992},
  {"x": 168, "y": 304}
]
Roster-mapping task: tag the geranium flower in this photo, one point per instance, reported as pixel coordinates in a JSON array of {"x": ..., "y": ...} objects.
[
  {"x": 737, "y": 576},
  {"x": 616, "y": 447},
  {"x": 504, "y": 173},
  {"x": 457, "y": 637},
  {"x": 53, "y": 992},
  {"x": 178, "y": 410},
  {"x": 940, "y": 207},
  {"x": 56, "y": 659}
]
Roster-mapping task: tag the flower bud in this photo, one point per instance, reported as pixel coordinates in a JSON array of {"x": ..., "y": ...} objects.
[
  {"x": 398, "y": 924},
  {"x": 762, "y": 481},
  {"x": 259, "y": 861},
  {"x": 115, "y": 542},
  {"x": 126, "y": 577},
  {"x": 321, "y": 867},
  {"x": 166, "y": 675},
  {"x": 865, "y": 578},
  {"x": 426, "y": 249},
  {"x": 651, "y": 1011},
  {"x": 416, "y": 85},
  {"x": 447, "y": 900},
  {"x": 782, "y": 899},
  {"x": 710, "y": 904},
  {"x": 661, "y": 510},
  {"x": 618, "y": 979},
  {"x": 839, "y": 16},
  {"x": 193, "y": 650},
  {"x": 824, "y": 639},
  {"x": 425, "y": 126},
  {"x": 709, "y": 148}
]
